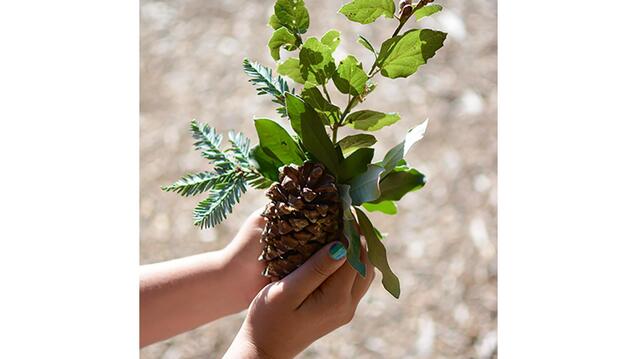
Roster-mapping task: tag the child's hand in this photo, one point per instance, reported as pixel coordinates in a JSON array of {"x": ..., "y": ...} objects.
[
  {"x": 288, "y": 315},
  {"x": 241, "y": 255}
]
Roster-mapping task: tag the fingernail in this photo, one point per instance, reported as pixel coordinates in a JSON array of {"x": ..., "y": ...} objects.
[{"x": 337, "y": 251}]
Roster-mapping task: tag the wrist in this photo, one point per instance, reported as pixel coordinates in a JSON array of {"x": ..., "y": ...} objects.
[{"x": 244, "y": 348}]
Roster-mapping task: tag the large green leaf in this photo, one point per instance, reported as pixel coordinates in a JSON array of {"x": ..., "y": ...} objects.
[
  {"x": 291, "y": 68},
  {"x": 355, "y": 164},
  {"x": 365, "y": 187},
  {"x": 399, "y": 182},
  {"x": 276, "y": 139},
  {"x": 367, "y": 11},
  {"x": 312, "y": 132},
  {"x": 314, "y": 98},
  {"x": 281, "y": 37},
  {"x": 332, "y": 39},
  {"x": 316, "y": 62},
  {"x": 427, "y": 11},
  {"x": 350, "y": 78},
  {"x": 292, "y": 14},
  {"x": 369, "y": 120},
  {"x": 387, "y": 207},
  {"x": 401, "y": 55},
  {"x": 350, "y": 231},
  {"x": 267, "y": 164},
  {"x": 351, "y": 143},
  {"x": 274, "y": 22},
  {"x": 378, "y": 254},
  {"x": 398, "y": 152}
]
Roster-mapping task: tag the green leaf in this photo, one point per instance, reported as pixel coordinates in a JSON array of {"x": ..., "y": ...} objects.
[
  {"x": 368, "y": 120},
  {"x": 274, "y": 22},
  {"x": 346, "y": 200},
  {"x": 367, "y": 11},
  {"x": 291, "y": 69},
  {"x": 314, "y": 98},
  {"x": 266, "y": 83},
  {"x": 293, "y": 15},
  {"x": 378, "y": 254},
  {"x": 354, "y": 243},
  {"x": 350, "y": 78},
  {"x": 427, "y": 11},
  {"x": 281, "y": 37},
  {"x": 224, "y": 195},
  {"x": 192, "y": 184},
  {"x": 315, "y": 139},
  {"x": 368, "y": 45},
  {"x": 356, "y": 163},
  {"x": 398, "y": 152},
  {"x": 351, "y": 143},
  {"x": 387, "y": 207},
  {"x": 401, "y": 55},
  {"x": 267, "y": 165},
  {"x": 399, "y": 182},
  {"x": 365, "y": 187},
  {"x": 207, "y": 141},
  {"x": 276, "y": 139},
  {"x": 317, "y": 63},
  {"x": 295, "y": 108},
  {"x": 332, "y": 39}
]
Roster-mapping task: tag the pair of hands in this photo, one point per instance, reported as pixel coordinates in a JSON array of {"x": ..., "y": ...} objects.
[{"x": 286, "y": 316}]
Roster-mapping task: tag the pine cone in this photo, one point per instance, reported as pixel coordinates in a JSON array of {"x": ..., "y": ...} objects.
[{"x": 304, "y": 214}]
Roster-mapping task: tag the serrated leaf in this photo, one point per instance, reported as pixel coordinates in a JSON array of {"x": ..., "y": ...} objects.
[
  {"x": 350, "y": 78},
  {"x": 400, "y": 181},
  {"x": 266, "y": 83},
  {"x": 267, "y": 165},
  {"x": 313, "y": 97},
  {"x": 369, "y": 120},
  {"x": 366, "y": 44},
  {"x": 214, "y": 209},
  {"x": 351, "y": 143},
  {"x": 316, "y": 62},
  {"x": 365, "y": 187},
  {"x": 378, "y": 254},
  {"x": 332, "y": 39},
  {"x": 398, "y": 152},
  {"x": 192, "y": 184},
  {"x": 291, "y": 69},
  {"x": 387, "y": 207},
  {"x": 293, "y": 15},
  {"x": 367, "y": 11},
  {"x": 354, "y": 243},
  {"x": 355, "y": 164},
  {"x": 281, "y": 37},
  {"x": 427, "y": 11},
  {"x": 401, "y": 55},
  {"x": 275, "y": 138}
]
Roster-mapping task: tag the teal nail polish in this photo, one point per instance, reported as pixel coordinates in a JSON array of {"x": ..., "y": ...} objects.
[{"x": 337, "y": 251}]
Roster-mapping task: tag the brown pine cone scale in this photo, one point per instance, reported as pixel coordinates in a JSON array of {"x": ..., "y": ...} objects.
[{"x": 303, "y": 215}]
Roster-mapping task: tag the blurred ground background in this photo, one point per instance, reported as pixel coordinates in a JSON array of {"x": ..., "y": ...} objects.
[{"x": 443, "y": 242}]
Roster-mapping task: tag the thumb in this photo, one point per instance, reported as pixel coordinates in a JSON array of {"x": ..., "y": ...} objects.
[{"x": 299, "y": 284}]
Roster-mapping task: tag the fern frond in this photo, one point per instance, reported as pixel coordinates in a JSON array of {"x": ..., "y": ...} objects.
[
  {"x": 258, "y": 181},
  {"x": 192, "y": 184},
  {"x": 207, "y": 140},
  {"x": 214, "y": 209},
  {"x": 266, "y": 83},
  {"x": 240, "y": 148}
]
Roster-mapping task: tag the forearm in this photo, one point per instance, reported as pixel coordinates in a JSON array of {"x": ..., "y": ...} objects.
[{"x": 182, "y": 294}]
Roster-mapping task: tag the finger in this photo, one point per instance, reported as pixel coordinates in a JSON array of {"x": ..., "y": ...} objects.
[
  {"x": 362, "y": 284},
  {"x": 309, "y": 276},
  {"x": 341, "y": 282}
]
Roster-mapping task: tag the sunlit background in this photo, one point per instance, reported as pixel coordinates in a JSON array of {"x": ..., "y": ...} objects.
[{"x": 442, "y": 244}]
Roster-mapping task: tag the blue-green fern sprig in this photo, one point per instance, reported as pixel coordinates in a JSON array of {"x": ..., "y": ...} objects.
[
  {"x": 266, "y": 83},
  {"x": 232, "y": 171}
]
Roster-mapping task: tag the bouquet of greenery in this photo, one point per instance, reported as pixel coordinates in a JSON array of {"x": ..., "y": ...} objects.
[{"x": 319, "y": 185}]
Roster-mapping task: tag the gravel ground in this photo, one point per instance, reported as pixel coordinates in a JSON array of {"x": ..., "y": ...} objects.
[{"x": 443, "y": 242}]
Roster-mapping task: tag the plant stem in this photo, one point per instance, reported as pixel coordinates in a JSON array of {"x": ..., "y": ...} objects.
[
  {"x": 327, "y": 95},
  {"x": 334, "y": 132}
]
